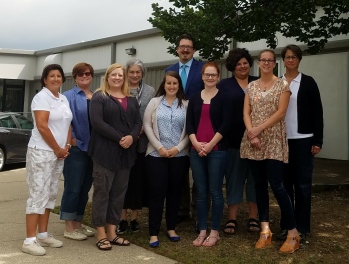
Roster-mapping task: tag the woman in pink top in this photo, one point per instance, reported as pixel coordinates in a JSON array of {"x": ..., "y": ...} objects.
[{"x": 208, "y": 122}]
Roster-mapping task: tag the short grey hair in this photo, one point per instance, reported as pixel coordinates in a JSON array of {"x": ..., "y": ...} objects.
[{"x": 135, "y": 61}]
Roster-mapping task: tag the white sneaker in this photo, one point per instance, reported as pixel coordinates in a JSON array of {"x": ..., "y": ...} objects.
[
  {"x": 34, "y": 248},
  {"x": 76, "y": 235},
  {"x": 50, "y": 241},
  {"x": 87, "y": 232}
]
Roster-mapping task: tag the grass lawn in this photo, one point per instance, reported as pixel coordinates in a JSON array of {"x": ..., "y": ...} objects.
[{"x": 328, "y": 243}]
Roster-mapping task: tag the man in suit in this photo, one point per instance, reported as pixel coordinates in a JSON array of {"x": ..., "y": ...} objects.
[
  {"x": 190, "y": 71},
  {"x": 185, "y": 47}
]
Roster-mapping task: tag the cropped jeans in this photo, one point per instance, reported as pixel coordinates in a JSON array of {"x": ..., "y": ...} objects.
[
  {"x": 237, "y": 175},
  {"x": 77, "y": 174},
  {"x": 208, "y": 174}
]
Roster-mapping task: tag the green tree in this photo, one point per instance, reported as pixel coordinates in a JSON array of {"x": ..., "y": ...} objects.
[{"x": 214, "y": 23}]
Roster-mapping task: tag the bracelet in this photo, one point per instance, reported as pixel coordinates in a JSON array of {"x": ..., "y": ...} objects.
[{"x": 68, "y": 145}]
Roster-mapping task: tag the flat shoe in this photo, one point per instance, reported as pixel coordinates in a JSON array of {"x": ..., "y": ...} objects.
[
  {"x": 154, "y": 244},
  {"x": 116, "y": 242},
  {"x": 173, "y": 238},
  {"x": 103, "y": 242}
]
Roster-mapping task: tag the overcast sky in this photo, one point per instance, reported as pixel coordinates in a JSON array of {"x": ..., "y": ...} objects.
[{"x": 42, "y": 24}]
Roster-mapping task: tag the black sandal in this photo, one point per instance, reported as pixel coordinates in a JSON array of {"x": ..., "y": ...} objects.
[
  {"x": 103, "y": 242},
  {"x": 117, "y": 243},
  {"x": 234, "y": 227},
  {"x": 253, "y": 225}
]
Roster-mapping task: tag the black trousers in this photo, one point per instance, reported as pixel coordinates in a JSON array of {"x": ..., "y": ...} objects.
[
  {"x": 271, "y": 171},
  {"x": 298, "y": 177},
  {"x": 165, "y": 180}
]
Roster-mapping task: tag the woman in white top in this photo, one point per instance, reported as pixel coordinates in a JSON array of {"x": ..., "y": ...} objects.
[{"x": 48, "y": 146}]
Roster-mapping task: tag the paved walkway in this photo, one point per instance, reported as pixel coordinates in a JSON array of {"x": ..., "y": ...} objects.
[
  {"x": 328, "y": 174},
  {"x": 13, "y": 195}
]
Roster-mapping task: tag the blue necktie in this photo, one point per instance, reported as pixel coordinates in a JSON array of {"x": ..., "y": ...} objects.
[{"x": 184, "y": 75}]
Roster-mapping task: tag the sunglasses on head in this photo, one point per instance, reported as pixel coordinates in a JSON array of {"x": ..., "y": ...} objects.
[{"x": 87, "y": 74}]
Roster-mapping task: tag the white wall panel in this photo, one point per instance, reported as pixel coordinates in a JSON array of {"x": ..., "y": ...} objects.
[
  {"x": 98, "y": 57},
  {"x": 20, "y": 67}
]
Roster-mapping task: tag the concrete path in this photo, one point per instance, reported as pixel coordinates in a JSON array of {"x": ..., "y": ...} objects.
[{"x": 13, "y": 195}]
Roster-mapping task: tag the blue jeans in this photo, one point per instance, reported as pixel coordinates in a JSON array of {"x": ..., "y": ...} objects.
[
  {"x": 208, "y": 174},
  {"x": 271, "y": 171},
  {"x": 298, "y": 181},
  {"x": 237, "y": 174},
  {"x": 77, "y": 174}
]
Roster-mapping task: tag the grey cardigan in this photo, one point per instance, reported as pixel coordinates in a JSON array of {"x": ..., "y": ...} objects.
[
  {"x": 110, "y": 122},
  {"x": 151, "y": 128}
]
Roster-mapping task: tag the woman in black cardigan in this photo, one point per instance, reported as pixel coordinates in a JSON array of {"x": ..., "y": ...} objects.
[
  {"x": 116, "y": 123},
  {"x": 208, "y": 124},
  {"x": 304, "y": 124}
]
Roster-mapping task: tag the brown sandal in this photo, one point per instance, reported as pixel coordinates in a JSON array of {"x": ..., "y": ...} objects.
[
  {"x": 103, "y": 242},
  {"x": 116, "y": 242}
]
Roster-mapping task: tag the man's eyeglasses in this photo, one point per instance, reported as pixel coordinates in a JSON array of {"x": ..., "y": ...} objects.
[
  {"x": 291, "y": 58},
  {"x": 87, "y": 74},
  {"x": 183, "y": 47},
  {"x": 266, "y": 61},
  {"x": 208, "y": 75}
]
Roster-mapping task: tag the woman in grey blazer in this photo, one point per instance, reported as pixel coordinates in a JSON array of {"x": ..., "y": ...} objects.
[{"x": 136, "y": 195}]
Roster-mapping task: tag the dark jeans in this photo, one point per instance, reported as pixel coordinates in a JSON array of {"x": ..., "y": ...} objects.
[
  {"x": 298, "y": 181},
  {"x": 77, "y": 173},
  {"x": 165, "y": 179},
  {"x": 208, "y": 173},
  {"x": 271, "y": 171}
]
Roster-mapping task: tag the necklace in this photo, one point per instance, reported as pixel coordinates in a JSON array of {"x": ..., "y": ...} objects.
[{"x": 265, "y": 86}]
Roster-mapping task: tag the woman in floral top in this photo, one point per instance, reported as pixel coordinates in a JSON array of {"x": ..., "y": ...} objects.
[{"x": 265, "y": 145}]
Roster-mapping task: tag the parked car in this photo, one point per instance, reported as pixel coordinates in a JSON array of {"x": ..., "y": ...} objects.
[{"x": 15, "y": 131}]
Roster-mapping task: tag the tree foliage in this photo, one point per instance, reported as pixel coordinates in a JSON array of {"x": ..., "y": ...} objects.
[{"x": 214, "y": 23}]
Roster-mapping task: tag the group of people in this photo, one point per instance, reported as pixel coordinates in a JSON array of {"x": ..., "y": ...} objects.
[{"x": 136, "y": 145}]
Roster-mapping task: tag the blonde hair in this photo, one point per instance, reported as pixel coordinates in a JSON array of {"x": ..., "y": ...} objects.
[{"x": 105, "y": 85}]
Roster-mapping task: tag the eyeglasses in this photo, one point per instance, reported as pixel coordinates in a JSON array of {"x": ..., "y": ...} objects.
[
  {"x": 291, "y": 58},
  {"x": 266, "y": 61},
  {"x": 208, "y": 75},
  {"x": 182, "y": 47},
  {"x": 87, "y": 74}
]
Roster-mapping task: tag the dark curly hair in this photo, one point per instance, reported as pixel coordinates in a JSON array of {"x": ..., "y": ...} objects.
[{"x": 235, "y": 55}]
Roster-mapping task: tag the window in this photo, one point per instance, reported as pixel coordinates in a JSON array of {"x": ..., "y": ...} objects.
[
  {"x": 24, "y": 123},
  {"x": 7, "y": 121}
]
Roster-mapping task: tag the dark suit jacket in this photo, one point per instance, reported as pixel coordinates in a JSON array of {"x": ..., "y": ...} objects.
[
  {"x": 110, "y": 122},
  {"x": 194, "y": 81}
]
